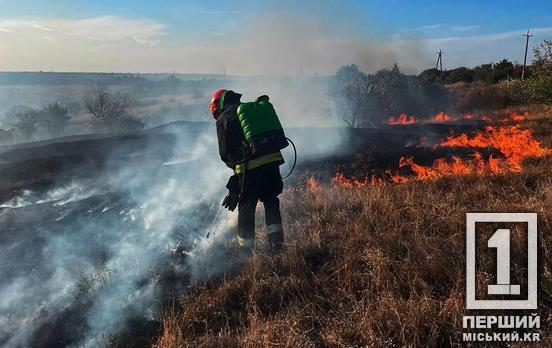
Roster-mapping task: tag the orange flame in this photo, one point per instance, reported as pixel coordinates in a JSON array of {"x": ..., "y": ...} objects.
[
  {"x": 442, "y": 117},
  {"x": 485, "y": 118},
  {"x": 519, "y": 118},
  {"x": 515, "y": 117},
  {"x": 515, "y": 145},
  {"x": 341, "y": 180},
  {"x": 401, "y": 119},
  {"x": 312, "y": 185}
]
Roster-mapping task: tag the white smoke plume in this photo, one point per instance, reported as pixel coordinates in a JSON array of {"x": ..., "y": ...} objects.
[{"x": 97, "y": 265}]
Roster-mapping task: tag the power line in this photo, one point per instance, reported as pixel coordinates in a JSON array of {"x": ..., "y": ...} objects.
[
  {"x": 439, "y": 63},
  {"x": 527, "y": 36}
]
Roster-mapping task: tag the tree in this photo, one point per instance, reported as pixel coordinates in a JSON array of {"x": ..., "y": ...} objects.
[
  {"x": 389, "y": 93},
  {"x": 369, "y": 100},
  {"x": 539, "y": 86},
  {"x": 112, "y": 110},
  {"x": 461, "y": 74},
  {"x": 503, "y": 70},
  {"x": 55, "y": 118},
  {"x": 484, "y": 72},
  {"x": 107, "y": 107},
  {"x": 431, "y": 75},
  {"x": 349, "y": 89},
  {"x": 542, "y": 63},
  {"x": 27, "y": 123},
  {"x": 394, "y": 93}
]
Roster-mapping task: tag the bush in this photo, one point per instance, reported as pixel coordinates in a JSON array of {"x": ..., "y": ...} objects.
[
  {"x": 396, "y": 93},
  {"x": 481, "y": 96},
  {"x": 12, "y": 115},
  {"x": 55, "y": 118},
  {"x": 27, "y": 123},
  {"x": 7, "y": 136},
  {"x": 431, "y": 75},
  {"x": 502, "y": 71},
  {"x": 539, "y": 86},
  {"x": 461, "y": 74},
  {"x": 369, "y": 100},
  {"x": 111, "y": 111}
]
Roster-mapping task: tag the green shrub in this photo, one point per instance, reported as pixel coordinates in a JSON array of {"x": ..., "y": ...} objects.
[{"x": 539, "y": 86}]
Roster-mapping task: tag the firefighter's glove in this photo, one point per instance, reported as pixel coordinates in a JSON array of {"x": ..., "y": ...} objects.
[{"x": 231, "y": 200}]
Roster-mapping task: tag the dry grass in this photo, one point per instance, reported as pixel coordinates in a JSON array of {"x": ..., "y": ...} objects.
[{"x": 380, "y": 266}]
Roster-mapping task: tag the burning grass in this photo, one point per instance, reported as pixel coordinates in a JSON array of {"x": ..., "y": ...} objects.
[
  {"x": 368, "y": 263},
  {"x": 401, "y": 119},
  {"x": 373, "y": 266},
  {"x": 508, "y": 138}
]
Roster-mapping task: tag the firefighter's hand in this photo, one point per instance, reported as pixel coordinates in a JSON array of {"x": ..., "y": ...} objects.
[{"x": 231, "y": 200}]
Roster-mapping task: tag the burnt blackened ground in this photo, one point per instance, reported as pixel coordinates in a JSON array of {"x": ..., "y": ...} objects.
[
  {"x": 365, "y": 152},
  {"x": 26, "y": 243},
  {"x": 42, "y": 165},
  {"x": 67, "y": 207}
]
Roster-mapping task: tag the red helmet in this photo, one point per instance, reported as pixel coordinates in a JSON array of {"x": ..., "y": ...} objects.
[{"x": 217, "y": 102}]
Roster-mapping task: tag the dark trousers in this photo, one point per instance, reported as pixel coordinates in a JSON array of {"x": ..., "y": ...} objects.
[{"x": 264, "y": 184}]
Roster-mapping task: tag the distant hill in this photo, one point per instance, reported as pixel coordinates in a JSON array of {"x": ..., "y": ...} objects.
[{"x": 80, "y": 78}]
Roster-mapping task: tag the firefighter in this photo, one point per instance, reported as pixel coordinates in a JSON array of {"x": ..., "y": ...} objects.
[{"x": 255, "y": 177}]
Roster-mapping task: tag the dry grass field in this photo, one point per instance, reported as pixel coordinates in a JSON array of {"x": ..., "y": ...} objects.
[{"x": 371, "y": 265}]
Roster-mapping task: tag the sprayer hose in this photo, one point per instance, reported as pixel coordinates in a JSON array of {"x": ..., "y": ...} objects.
[
  {"x": 213, "y": 223},
  {"x": 294, "y": 158}
]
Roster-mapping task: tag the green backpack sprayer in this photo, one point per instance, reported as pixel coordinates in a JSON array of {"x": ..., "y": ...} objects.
[
  {"x": 262, "y": 129},
  {"x": 263, "y": 134},
  {"x": 261, "y": 126}
]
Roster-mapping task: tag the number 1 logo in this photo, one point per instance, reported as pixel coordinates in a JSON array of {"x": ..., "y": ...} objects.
[{"x": 500, "y": 240}]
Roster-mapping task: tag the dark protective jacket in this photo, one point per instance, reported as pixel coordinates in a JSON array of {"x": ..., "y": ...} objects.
[
  {"x": 233, "y": 148},
  {"x": 230, "y": 137}
]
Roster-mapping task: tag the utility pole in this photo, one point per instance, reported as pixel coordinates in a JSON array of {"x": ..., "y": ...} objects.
[
  {"x": 439, "y": 64},
  {"x": 301, "y": 70},
  {"x": 527, "y": 36}
]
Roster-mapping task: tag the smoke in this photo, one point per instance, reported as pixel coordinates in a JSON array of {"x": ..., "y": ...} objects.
[
  {"x": 80, "y": 278},
  {"x": 273, "y": 42},
  {"x": 281, "y": 43},
  {"x": 58, "y": 197},
  {"x": 285, "y": 44}
]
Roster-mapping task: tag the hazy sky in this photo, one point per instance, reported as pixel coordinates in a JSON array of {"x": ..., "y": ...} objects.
[{"x": 262, "y": 37}]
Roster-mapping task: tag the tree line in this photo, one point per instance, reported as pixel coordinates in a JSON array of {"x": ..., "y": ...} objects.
[
  {"x": 362, "y": 100},
  {"x": 110, "y": 112}
]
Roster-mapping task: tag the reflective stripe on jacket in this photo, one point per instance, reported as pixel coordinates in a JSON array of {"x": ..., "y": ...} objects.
[{"x": 259, "y": 161}]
